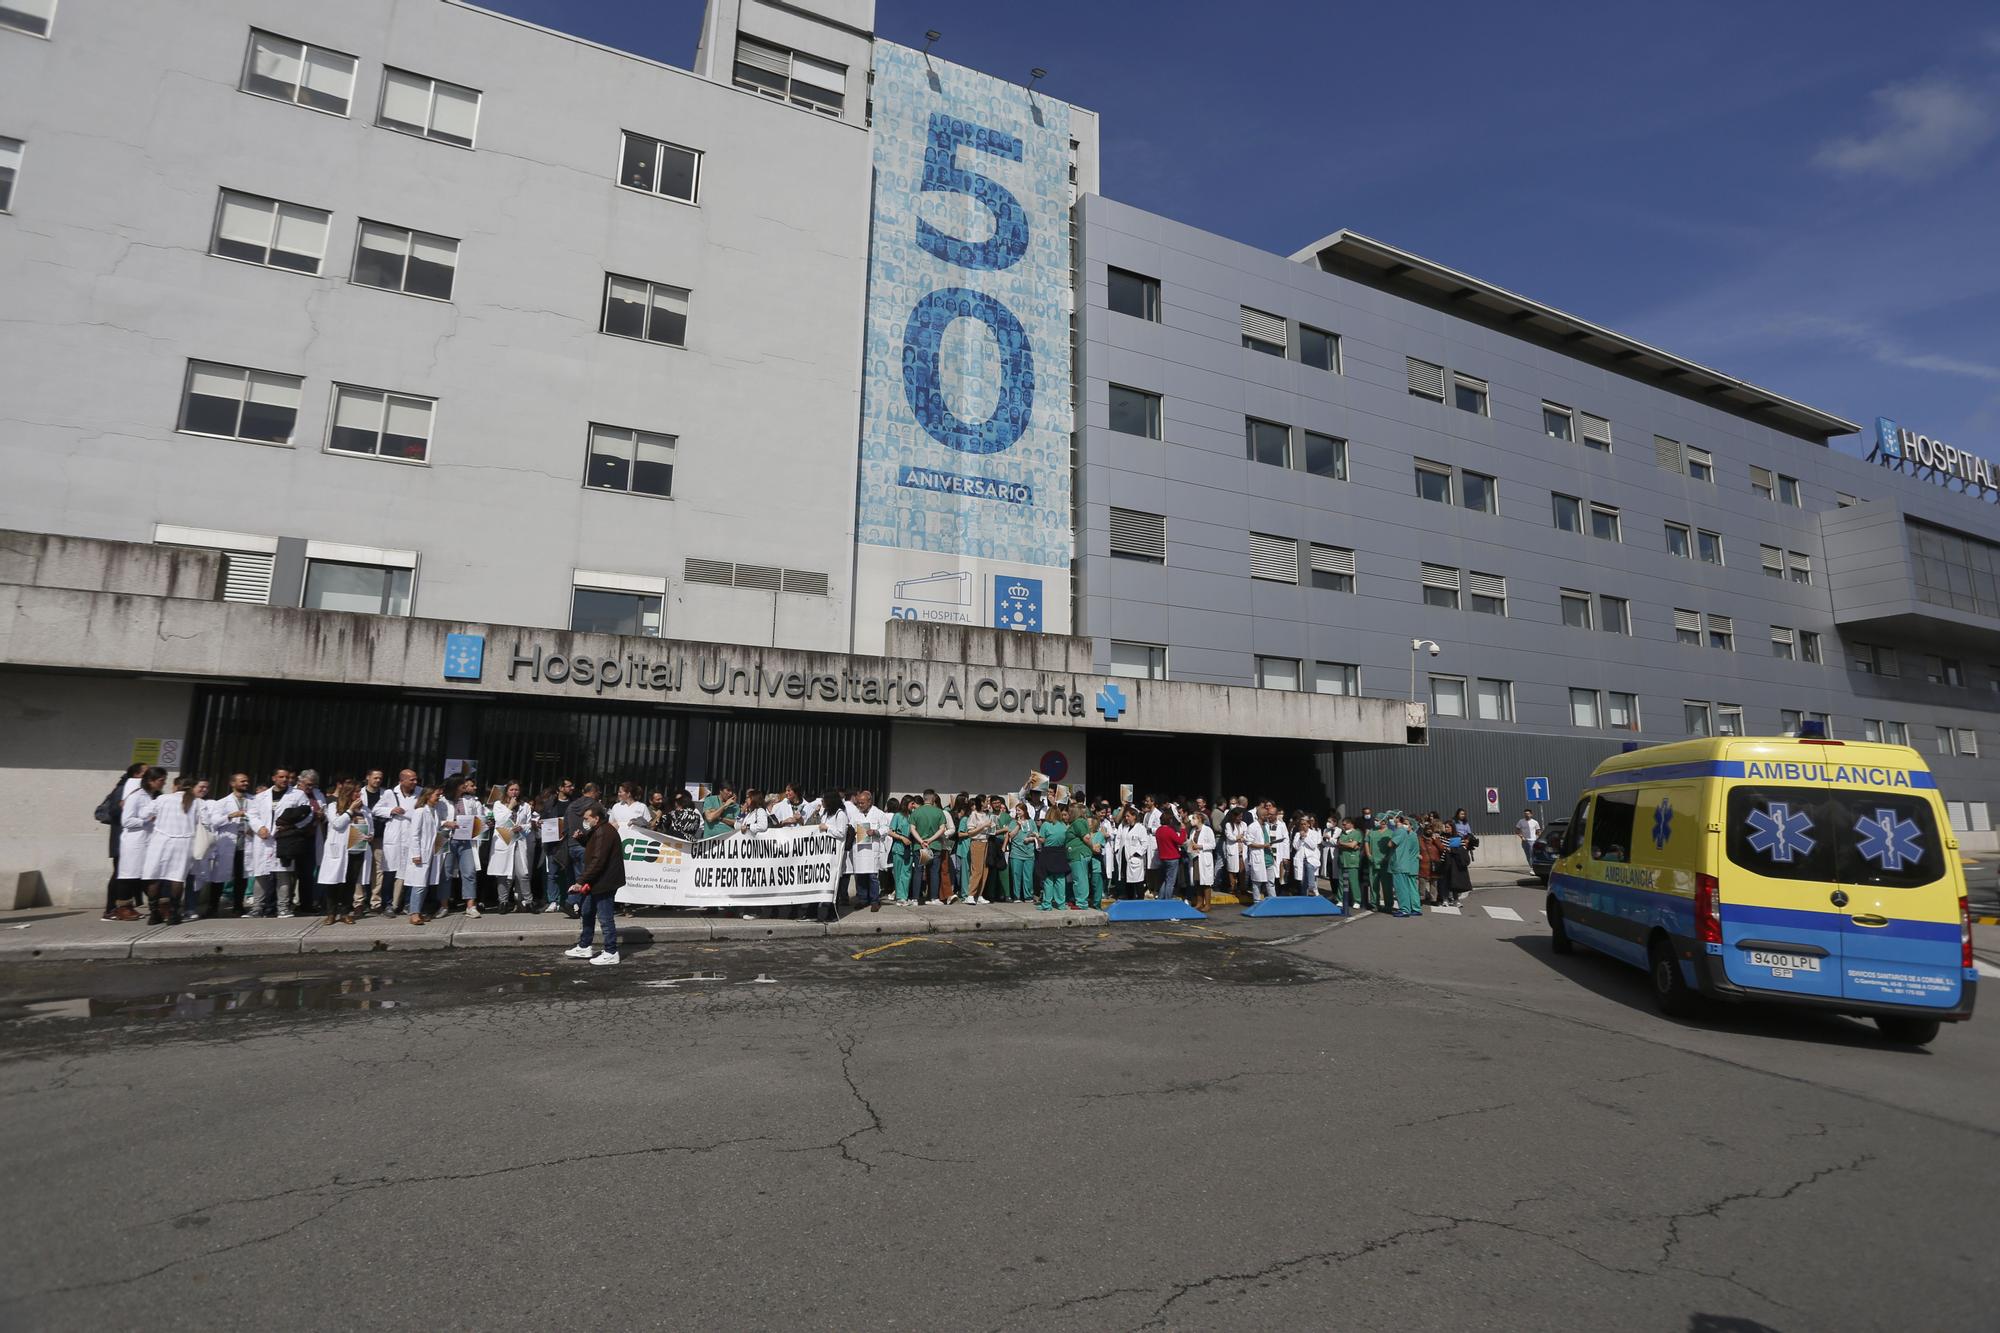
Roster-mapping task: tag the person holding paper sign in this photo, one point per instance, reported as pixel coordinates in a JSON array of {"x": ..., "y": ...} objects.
[
  {"x": 513, "y": 850},
  {"x": 423, "y": 849},
  {"x": 343, "y": 862},
  {"x": 464, "y": 818}
]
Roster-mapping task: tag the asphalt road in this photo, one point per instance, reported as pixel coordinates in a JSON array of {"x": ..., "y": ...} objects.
[{"x": 1410, "y": 1125}]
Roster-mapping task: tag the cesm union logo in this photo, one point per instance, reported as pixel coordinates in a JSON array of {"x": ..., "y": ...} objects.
[{"x": 1110, "y": 702}]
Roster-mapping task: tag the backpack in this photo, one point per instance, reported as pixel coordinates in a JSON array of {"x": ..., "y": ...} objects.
[{"x": 110, "y": 809}]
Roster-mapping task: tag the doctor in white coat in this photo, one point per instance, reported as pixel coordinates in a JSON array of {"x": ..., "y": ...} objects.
[
  {"x": 135, "y": 828},
  {"x": 392, "y": 815},
  {"x": 464, "y": 818},
  {"x": 1199, "y": 852},
  {"x": 1307, "y": 851},
  {"x": 274, "y": 879},
  {"x": 512, "y": 857},
  {"x": 221, "y": 873},
  {"x": 168, "y": 849},
  {"x": 346, "y": 857},
  {"x": 1279, "y": 840},
  {"x": 422, "y": 861}
]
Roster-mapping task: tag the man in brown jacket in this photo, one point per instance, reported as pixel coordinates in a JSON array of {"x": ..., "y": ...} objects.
[{"x": 603, "y": 875}]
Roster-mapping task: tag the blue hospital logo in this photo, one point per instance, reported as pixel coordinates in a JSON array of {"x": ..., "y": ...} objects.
[
  {"x": 1888, "y": 440},
  {"x": 1888, "y": 841},
  {"x": 1663, "y": 822},
  {"x": 464, "y": 656},
  {"x": 1110, "y": 702},
  {"x": 1780, "y": 834},
  {"x": 1017, "y": 604}
]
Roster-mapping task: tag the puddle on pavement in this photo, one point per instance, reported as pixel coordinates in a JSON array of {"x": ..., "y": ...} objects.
[{"x": 302, "y": 993}]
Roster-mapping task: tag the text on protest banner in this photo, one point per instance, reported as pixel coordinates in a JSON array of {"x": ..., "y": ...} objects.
[{"x": 774, "y": 869}]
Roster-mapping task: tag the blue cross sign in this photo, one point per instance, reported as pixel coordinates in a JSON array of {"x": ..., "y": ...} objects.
[{"x": 1538, "y": 789}]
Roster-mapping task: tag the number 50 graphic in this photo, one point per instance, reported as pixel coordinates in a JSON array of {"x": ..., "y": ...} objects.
[{"x": 924, "y": 334}]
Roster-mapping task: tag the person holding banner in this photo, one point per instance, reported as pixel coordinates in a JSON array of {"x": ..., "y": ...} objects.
[
  {"x": 753, "y": 819},
  {"x": 718, "y": 812},
  {"x": 603, "y": 875}
]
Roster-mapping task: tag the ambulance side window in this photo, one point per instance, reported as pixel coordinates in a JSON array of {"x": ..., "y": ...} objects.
[
  {"x": 1572, "y": 837},
  {"x": 1611, "y": 827}
]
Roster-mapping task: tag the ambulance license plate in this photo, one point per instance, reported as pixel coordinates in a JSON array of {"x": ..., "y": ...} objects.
[{"x": 1784, "y": 964}]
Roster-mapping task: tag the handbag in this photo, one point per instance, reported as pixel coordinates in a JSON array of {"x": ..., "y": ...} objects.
[{"x": 202, "y": 842}]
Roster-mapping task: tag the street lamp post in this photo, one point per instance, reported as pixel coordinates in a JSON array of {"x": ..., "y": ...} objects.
[{"x": 1416, "y": 646}]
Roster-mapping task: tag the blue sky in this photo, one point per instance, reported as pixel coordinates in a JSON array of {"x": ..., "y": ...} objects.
[{"x": 1804, "y": 195}]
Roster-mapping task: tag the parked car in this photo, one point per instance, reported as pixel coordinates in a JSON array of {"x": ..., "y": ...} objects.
[{"x": 1543, "y": 854}]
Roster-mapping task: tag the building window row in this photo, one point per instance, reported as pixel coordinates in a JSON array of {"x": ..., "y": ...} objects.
[
  {"x": 1778, "y": 562},
  {"x": 322, "y": 79},
  {"x": 1775, "y": 486},
  {"x": 1470, "y": 490},
  {"x": 273, "y": 233},
  {"x": 785, "y": 75},
  {"x": 1573, "y": 515},
  {"x": 1570, "y": 426},
  {"x": 1489, "y": 699},
  {"x": 1272, "y": 443},
  {"x": 1612, "y": 710}
]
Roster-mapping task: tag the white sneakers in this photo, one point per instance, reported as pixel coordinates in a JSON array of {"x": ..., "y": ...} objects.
[
  {"x": 604, "y": 960},
  {"x": 472, "y": 909},
  {"x": 576, "y": 951},
  {"x": 553, "y": 907}
]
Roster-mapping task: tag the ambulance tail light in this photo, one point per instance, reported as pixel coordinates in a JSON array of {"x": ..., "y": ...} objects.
[
  {"x": 1965, "y": 933},
  {"x": 1708, "y": 910}
]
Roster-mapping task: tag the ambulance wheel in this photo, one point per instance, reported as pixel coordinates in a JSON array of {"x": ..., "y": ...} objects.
[
  {"x": 1908, "y": 1031},
  {"x": 1559, "y": 940},
  {"x": 1670, "y": 989}
]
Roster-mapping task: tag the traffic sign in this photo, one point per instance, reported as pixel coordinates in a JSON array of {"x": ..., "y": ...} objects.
[
  {"x": 1492, "y": 800},
  {"x": 1538, "y": 789}
]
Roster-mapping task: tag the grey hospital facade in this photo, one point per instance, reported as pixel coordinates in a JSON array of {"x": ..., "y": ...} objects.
[{"x": 399, "y": 382}]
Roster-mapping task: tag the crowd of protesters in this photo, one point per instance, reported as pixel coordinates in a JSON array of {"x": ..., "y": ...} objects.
[{"x": 291, "y": 845}]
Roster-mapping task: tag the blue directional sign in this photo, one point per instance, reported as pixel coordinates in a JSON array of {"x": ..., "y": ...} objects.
[{"x": 1538, "y": 789}]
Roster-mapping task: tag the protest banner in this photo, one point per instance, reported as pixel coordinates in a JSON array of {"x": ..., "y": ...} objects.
[{"x": 773, "y": 869}]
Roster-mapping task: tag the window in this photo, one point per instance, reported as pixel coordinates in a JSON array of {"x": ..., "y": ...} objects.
[
  {"x": 1583, "y": 711},
  {"x": 311, "y": 76},
  {"x": 1709, "y": 546},
  {"x": 399, "y": 260},
  {"x": 1448, "y": 696},
  {"x": 1789, "y": 720},
  {"x": 1687, "y": 626},
  {"x": 1138, "y": 661},
  {"x": 1621, "y": 710},
  {"x": 1945, "y": 744},
  {"x": 1783, "y": 643},
  {"x": 1277, "y": 673},
  {"x": 1700, "y": 465},
  {"x": 1441, "y": 586},
  {"x": 1478, "y": 491},
  {"x": 1809, "y": 650},
  {"x": 1955, "y": 570},
  {"x": 1668, "y": 454},
  {"x": 1426, "y": 380},
  {"x": 1762, "y": 484},
  {"x": 1614, "y": 615},
  {"x": 1325, "y": 456},
  {"x": 1873, "y": 660},
  {"x": 790, "y": 76},
  {"x": 1721, "y": 632},
  {"x": 1268, "y": 442},
  {"x": 1611, "y": 826},
  {"x": 1558, "y": 422},
  {"x": 1604, "y": 522},
  {"x": 1469, "y": 394},
  {"x": 1336, "y": 678},
  {"x": 1773, "y": 560},
  {"x": 1568, "y": 512},
  {"x": 635, "y": 461},
  {"x": 1801, "y": 566},
  {"x": 1825, "y": 721},
  {"x": 419, "y": 104},
  {"x": 1332, "y": 568},
  {"x": 1135, "y": 412},
  {"x": 1319, "y": 349},
  {"x": 1943, "y": 670},
  {"x": 1133, "y": 294},
  {"x": 358, "y": 578},
  {"x": 1871, "y": 729},
  {"x": 1488, "y": 592},
  {"x": 1576, "y": 612},
  {"x": 649, "y": 310},
  {"x": 1968, "y": 743},
  {"x": 1896, "y": 733},
  {"x": 1434, "y": 482},
  {"x": 616, "y": 604},
  {"x": 1842, "y": 500},
  {"x": 264, "y": 231},
  {"x": 1596, "y": 433},
  {"x": 1729, "y": 719},
  {"x": 386, "y": 425},
  {"x": 1678, "y": 541},
  {"x": 1263, "y": 333},
  {"x": 1274, "y": 558},
  {"x": 1137, "y": 536},
  {"x": 1694, "y": 716},
  {"x": 240, "y": 404},
  {"x": 1494, "y": 700},
  {"x": 654, "y": 166},
  {"x": 1788, "y": 490},
  {"x": 30, "y": 16}
]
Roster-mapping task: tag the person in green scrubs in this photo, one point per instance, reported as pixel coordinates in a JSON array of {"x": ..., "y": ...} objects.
[
  {"x": 1404, "y": 857},
  {"x": 1349, "y": 845},
  {"x": 1381, "y": 877},
  {"x": 997, "y": 866},
  {"x": 718, "y": 812},
  {"x": 1052, "y": 862},
  {"x": 899, "y": 847},
  {"x": 1083, "y": 840},
  {"x": 1021, "y": 842}
]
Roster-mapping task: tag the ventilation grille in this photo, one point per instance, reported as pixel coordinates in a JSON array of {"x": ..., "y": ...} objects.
[
  {"x": 246, "y": 577},
  {"x": 1264, "y": 328},
  {"x": 1274, "y": 558},
  {"x": 1332, "y": 560},
  {"x": 1137, "y": 534},
  {"x": 806, "y": 582},
  {"x": 1426, "y": 380},
  {"x": 719, "y": 572},
  {"x": 762, "y": 578}
]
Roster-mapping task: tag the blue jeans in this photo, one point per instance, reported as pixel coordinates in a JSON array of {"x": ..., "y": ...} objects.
[
  {"x": 1169, "y": 872},
  {"x": 600, "y": 909},
  {"x": 555, "y": 872},
  {"x": 575, "y": 873},
  {"x": 867, "y": 888},
  {"x": 461, "y": 863},
  {"x": 1308, "y": 872}
]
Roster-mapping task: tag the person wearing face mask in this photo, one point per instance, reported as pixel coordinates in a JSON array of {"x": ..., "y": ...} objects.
[{"x": 603, "y": 875}]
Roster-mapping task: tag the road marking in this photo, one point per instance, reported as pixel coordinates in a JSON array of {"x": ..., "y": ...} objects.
[
  {"x": 1503, "y": 913},
  {"x": 1986, "y": 969},
  {"x": 1447, "y": 909},
  {"x": 893, "y": 944}
]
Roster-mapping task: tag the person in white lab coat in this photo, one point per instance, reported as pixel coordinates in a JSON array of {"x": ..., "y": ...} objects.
[
  {"x": 1200, "y": 857},
  {"x": 135, "y": 825},
  {"x": 511, "y": 860},
  {"x": 628, "y": 811},
  {"x": 392, "y": 816},
  {"x": 1258, "y": 858},
  {"x": 1278, "y": 844},
  {"x": 220, "y": 874},
  {"x": 461, "y": 815},
  {"x": 274, "y": 879},
  {"x": 344, "y": 859},
  {"x": 169, "y": 847},
  {"x": 753, "y": 817},
  {"x": 869, "y": 855},
  {"x": 1132, "y": 846},
  {"x": 423, "y": 859},
  {"x": 1308, "y": 849}
]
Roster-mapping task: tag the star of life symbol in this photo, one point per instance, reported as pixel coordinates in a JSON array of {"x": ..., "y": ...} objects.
[
  {"x": 1779, "y": 833},
  {"x": 1888, "y": 841},
  {"x": 1663, "y": 822}
]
